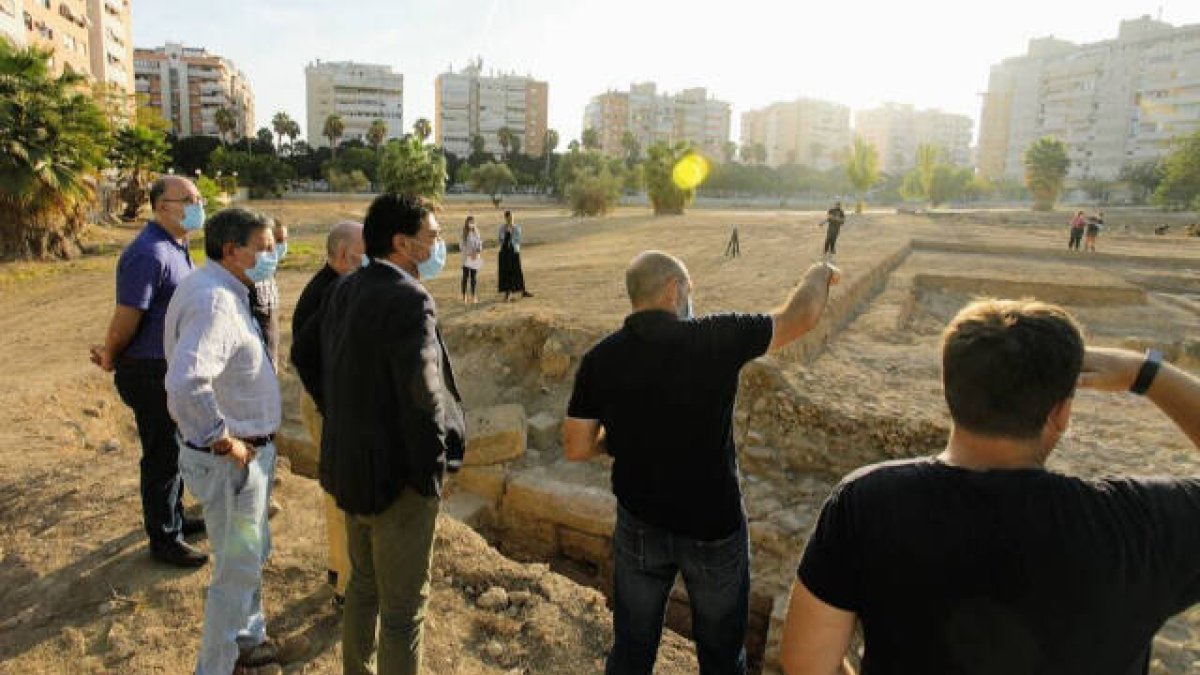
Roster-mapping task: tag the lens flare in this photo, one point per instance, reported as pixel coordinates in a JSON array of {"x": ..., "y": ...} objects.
[{"x": 690, "y": 171}]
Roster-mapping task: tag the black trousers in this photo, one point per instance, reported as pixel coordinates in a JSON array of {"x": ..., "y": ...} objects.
[
  {"x": 1076, "y": 237},
  {"x": 140, "y": 384},
  {"x": 831, "y": 237},
  {"x": 469, "y": 273}
]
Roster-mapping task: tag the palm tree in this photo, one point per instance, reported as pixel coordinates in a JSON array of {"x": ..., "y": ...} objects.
[
  {"x": 54, "y": 138},
  {"x": 137, "y": 151},
  {"x": 377, "y": 134},
  {"x": 862, "y": 168},
  {"x": 729, "y": 151},
  {"x": 226, "y": 123},
  {"x": 633, "y": 149},
  {"x": 505, "y": 137},
  {"x": 550, "y": 144},
  {"x": 1046, "y": 165},
  {"x": 591, "y": 139},
  {"x": 423, "y": 129},
  {"x": 292, "y": 132},
  {"x": 333, "y": 130},
  {"x": 280, "y": 124},
  {"x": 477, "y": 145}
]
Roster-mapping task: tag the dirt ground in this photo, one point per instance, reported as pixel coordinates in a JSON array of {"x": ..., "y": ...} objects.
[{"x": 79, "y": 594}]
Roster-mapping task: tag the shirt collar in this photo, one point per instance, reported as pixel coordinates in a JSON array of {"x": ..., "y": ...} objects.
[
  {"x": 225, "y": 278},
  {"x": 389, "y": 263},
  {"x": 161, "y": 232}
]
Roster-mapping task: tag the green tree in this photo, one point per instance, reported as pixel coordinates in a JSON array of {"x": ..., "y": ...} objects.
[
  {"x": 226, "y": 123},
  {"x": 929, "y": 157},
  {"x": 590, "y": 139},
  {"x": 1046, "y": 165},
  {"x": 729, "y": 151},
  {"x": 548, "y": 148},
  {"x": 1180, "y": 184},
  {"x": 666, "y": 195},
  {"x": 423, "y": 129},
  {"x": 1142, "y": 178},
  {"x": 354, "y": 181},
  {"x": 292, "y": 132},
  {"x": 264, "y": 141},
  {"x": 594, "y": 193},
  {"x": 280, "y": 124},
  {"x": 504, "y": 136},
  {"x": 54, "y": 138},
  {"x": 491, "y": 179},
  {"x": 408, "y": 166},
  {"x": 265, "y": 175},
  {"x": 633, "y": 149},
  {"x": 137, "y": 152},
  {"x": 862, "y": 169},
  {"x": 333, "y": 130},
  {"x": 377, "y": 134}
]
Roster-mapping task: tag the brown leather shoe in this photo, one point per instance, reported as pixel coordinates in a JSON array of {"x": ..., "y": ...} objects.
[{"x": 286, "y": 650}]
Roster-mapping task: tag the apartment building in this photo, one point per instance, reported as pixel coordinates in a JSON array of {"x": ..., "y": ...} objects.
[
  {"x": 359, "y": 92},
  {"x": 896, "y": 130},
  {"x": 805, "y": 131},
  {"x": 92, "y": 37},
  {"x": 690, "y": 115},
  {"x": 468, "y": 103},
  {"x": 1113, "y": 102},
  {"x": 188, "y": 85}
]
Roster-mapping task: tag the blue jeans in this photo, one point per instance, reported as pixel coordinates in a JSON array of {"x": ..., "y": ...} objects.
[
  {"x": 235, "y": 514},
  {"x": 717, "y": 576}
]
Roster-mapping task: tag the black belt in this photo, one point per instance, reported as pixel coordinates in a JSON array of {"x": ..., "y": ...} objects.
[{"x": 256, "y": 442}]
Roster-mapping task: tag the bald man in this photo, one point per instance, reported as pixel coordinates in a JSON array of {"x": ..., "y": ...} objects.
[
  {"x": 344, "y": 253},
  {"x": 658, "y": 396},
  {"x": 147, "y": 274}
]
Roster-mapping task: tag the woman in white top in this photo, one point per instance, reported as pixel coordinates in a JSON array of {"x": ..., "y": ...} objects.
[{"x": 471, "y": 247}]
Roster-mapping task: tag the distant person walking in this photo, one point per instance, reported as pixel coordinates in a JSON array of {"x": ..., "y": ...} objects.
[
  {"x": 1077, "y": 225},
  {"x": 512, "y": 279},
  {"x": 471, "y": 247},
  {"x": 834, "y": 219},
  {"x": 148, "y": 272},
  {"x": 1094, "y": 225}
]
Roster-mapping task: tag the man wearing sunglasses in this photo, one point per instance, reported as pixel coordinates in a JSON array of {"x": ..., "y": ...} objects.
[{"x": 147, "y": 274}]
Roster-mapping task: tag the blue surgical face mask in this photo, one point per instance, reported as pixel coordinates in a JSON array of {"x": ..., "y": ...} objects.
[
  {"x": 193, "y": 217},
  {"x": 264, "y": 267},
  {"x": 281, "y": 251},
  {"x": 433, "y": 265},
  {"x": 685, "y": 312},
  {"x": 364, "y": 260}
]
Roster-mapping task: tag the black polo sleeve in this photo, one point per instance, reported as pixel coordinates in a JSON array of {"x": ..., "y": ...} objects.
[
  {"x": 736, "y": 339},
  {"x": 828, "y": 566},
  {"x": 585, "y": 401}
]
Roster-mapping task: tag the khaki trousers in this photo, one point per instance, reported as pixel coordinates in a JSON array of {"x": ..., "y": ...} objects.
[{"x": 335, "y": 518}]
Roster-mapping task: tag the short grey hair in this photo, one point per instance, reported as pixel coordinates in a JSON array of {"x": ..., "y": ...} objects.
[
  {"x": 340, "y": 236},
  {"x": 234, "y": 225},
  {"x": 649, "y": 273}
]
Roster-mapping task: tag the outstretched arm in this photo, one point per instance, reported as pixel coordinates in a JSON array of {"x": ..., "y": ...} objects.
[
  {"x": 1174, "y": 391},
  {"x": 803, "y": 309}
]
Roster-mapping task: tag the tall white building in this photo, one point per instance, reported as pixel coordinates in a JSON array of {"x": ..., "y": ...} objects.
[
  {"x": 1113, "y": 102},
  {"x": 359, "y": 92},
  {"x": 12, "y": 26},
  {"x": 469, "y": 103},
  {"x": 188, "y": 85},
  {"x": 897, "y": 129},
  {"x": 691, "y": 115},
  {"x": 805, "y": 131}
]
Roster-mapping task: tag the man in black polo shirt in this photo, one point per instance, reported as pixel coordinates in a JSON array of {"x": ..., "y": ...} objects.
[
  {"x": 658, "y": 396},
  {"x": 980, "y": 560}
]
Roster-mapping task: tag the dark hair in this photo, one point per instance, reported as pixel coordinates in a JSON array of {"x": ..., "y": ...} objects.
[
  {"x": 234, "y": 225},
  {"x": 508, "y": 214},
  {"x": 1007, "y": 363},
  {"x": 388, "y": 216},
  {"x": 157, "y": 188},
  {"x": 467, "y": 227}
]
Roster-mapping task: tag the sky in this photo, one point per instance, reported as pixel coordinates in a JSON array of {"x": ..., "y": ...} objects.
[{"x": 750, "y": 53}]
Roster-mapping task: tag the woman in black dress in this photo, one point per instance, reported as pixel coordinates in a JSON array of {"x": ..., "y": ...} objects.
[{"x": 512, "y": 279}]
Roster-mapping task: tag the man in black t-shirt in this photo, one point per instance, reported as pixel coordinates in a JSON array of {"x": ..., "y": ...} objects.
[
  {"x": 658, "y": 396},
  {"x": 834, "y": 219},
  {"x": 980, "y": 560}
]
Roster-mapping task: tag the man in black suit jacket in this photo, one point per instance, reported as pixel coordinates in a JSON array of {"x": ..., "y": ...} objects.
[{"x": 379, "y": 372}]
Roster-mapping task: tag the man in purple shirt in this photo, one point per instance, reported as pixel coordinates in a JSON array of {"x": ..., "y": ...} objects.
[{"x": 147, "y": 273}]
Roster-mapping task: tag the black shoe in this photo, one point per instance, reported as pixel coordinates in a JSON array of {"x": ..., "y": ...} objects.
[
  {"x": 179, "y": 554},
  {"x": 192, "y": 526},
  {"x": 526, "y": 294}
]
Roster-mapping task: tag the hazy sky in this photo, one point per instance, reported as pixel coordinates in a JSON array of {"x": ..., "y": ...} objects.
[{"x": 931, "y": 53}]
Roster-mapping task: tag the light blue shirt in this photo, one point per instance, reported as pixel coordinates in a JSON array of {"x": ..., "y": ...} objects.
[
  {"x": 219, "y": 378},
  {"x": 516, "y": 236}
]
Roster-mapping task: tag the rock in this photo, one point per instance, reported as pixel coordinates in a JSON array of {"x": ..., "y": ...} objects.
[
  {"x": 556, "y": 360},
  {"x": 494, "y": 649},
  {"x": 520, "y": 598},
  {"x": 91, "y": 412},
  {"x": 587, "y": 547},
  {"x": 538, "y": 495},
  {"x": 467, "y": 508},
  {"x": 120, "y": 644},
  {"x": 111, "y": 445},
  {"x": 544, "y": 430},
  {"x": 496, "y": 434},
  {"x": 484, "y": 481},
  {"x": 493, "y": 599}
]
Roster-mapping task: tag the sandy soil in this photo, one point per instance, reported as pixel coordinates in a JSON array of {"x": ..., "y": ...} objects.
[{"x": 78, "y": 593}]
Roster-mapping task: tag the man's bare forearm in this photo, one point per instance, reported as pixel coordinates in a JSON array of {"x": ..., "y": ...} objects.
[
  {"x": 1177, "y": 394},
  {"x": 803, "y": 309},
  {"x": 121, "y": 329}
]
